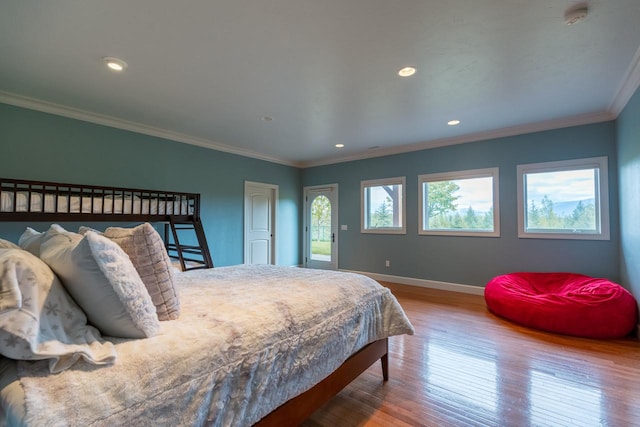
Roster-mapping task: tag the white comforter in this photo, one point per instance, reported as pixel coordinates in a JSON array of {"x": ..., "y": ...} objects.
[{"x": 248, "y": 339}]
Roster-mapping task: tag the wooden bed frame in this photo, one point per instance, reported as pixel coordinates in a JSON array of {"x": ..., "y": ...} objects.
[
  {"x": 291, "y": 413},
  {"x": 298, "y": 409}
]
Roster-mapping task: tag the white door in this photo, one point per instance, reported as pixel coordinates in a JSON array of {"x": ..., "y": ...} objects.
[
  {"x": 260, "y": 202},
  {"x": 321, "y": 227}
]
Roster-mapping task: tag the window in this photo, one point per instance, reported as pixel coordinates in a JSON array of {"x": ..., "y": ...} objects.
[
  {"x": 321, "y": 230},
  {"x": 383, "y": 206},
  {"x": 463, "y": 203},
  {"x": 564, "y": 200}
]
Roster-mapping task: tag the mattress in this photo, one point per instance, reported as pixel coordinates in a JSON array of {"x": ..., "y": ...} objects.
[
  {"x": 249, "y": 338},
  {"x": 106, "y": 204}
]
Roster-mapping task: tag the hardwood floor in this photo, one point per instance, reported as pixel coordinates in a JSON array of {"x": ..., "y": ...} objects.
[{"x": 466, "y": 367}]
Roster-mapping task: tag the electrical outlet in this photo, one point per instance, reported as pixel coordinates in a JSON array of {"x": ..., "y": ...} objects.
[{"x": 387, "y": 263}]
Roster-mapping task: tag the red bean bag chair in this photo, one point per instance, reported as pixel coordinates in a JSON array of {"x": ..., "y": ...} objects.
[{"x": 565, "y": 303}]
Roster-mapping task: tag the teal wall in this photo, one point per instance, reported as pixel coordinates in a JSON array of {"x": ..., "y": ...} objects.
[
  {"x": 40, "y": 146},
  {"x": 629, "y": 174},
  {"x": 473, "y": 260}
]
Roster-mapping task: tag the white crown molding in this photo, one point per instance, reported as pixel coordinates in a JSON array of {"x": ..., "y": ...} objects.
[
  {"x": 431, "y": 284},
  {"x": 87, "y": 116},
  {"x": 629, "y": 86},
  {"x": 583, "y": 119}
]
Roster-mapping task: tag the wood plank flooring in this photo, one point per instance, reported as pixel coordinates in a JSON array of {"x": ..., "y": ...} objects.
[{"x": 466, "y": 367}]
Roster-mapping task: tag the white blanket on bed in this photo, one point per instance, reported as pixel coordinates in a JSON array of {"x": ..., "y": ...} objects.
[{"x": 248, "y": 339}]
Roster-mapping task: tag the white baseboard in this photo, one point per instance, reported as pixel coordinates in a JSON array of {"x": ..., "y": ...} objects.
[{"x": 431, "y": 284}]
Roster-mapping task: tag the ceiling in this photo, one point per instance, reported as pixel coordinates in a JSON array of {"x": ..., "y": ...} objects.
[{"x": 211, "y": 73}]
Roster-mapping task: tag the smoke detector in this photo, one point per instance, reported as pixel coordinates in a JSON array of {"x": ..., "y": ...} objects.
[{"x": 575, "y": 15}]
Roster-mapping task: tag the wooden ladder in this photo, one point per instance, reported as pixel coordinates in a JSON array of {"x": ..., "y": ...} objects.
[{"x": 185, "y": 253}]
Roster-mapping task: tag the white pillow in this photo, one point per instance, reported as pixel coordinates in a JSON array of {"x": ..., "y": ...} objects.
[
  {"x": 103, "y": 281},
  {"x": 39, "y": 320},
  {"x": 31, "y": 240}
]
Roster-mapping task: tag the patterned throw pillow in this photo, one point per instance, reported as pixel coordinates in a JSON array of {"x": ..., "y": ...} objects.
[
  {"x": 146, "y": 250},
  {"x": 39, "y": 320}
]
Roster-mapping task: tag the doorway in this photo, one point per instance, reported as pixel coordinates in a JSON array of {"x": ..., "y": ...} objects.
[
  {"x": 321, "y": 227},
  {"x": 260, "y": 218}
]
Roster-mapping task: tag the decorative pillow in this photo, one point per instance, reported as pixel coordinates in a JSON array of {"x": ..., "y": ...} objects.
[
  {"x": 146, "y": 250},
  {"x": 100, "y": 277},
  {"x": 31, "y": 240},
  {"x": 83, "y": 230},
  {"x": 5, "y": 244},
  {"x": 39, "y": 320}
]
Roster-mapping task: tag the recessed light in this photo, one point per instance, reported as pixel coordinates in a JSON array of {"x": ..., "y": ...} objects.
[
  {"x": 453, "y": 122},
  {"x": 407, "y": 71},
  {"x": 114, "y": 64},
  {"x": 339, "y": 145}
]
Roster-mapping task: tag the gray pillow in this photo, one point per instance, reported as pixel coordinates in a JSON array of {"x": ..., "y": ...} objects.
[
  {"x": 146, "y": 250},
  {"x": 100, "y": 277}
]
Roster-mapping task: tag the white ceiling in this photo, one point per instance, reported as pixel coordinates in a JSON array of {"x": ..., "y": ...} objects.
[{"x": 205, "y": 72}]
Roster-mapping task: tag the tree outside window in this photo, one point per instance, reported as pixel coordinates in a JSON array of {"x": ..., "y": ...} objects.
[
  {"x": 460, "y": 203},
  {"x": 564, "y": 200},
  {"x": 383, "y": 206},
  {"x": 320, "y": 226}
]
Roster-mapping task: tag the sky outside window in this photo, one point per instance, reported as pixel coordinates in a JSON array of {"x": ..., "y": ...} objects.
[
  {"x": 564, "y": 186},
  {"x": 565, "y": 199},
  {"x": 476, "y": 193}
]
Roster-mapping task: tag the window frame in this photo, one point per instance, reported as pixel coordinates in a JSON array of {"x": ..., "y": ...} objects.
[
  {"x": 379, "y": 183},
  {"x": 601, "y": 198},
  {"x": 494, "y": 173}
]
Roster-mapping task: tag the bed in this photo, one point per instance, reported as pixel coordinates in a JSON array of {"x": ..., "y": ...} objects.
[{"x": 318, "y": 331}]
